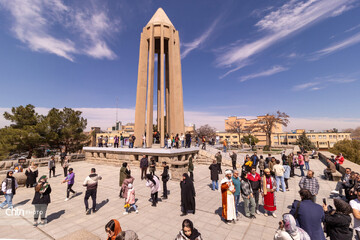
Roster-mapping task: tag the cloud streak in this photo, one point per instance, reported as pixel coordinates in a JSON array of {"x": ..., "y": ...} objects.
[
  {"x": 86, "y": 27},
  {"x": 322, "y": 83},
  {"x": 269, "y": 72},
  {"x": 355, "y": 39},
  {"x": 198, "y": 42},
  {"x": 287, "y": 20}
]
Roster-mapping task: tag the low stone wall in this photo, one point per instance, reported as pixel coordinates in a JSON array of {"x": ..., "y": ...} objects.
[{"x": 347, "y": 164}]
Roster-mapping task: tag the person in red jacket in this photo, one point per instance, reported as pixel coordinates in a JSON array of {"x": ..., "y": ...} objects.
[
  {"x": 339, "y": 160},
  {"x": 255, "y": 182}
]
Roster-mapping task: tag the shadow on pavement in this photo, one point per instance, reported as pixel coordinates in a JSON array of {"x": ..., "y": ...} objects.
[
  {"x": 21, "y": 203},
  {"x": 55, "y": 215},
  {"x": 100, "y": 205}
]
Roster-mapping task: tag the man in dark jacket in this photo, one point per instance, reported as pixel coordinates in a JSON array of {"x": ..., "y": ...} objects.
[
  {"x": 255, "y": 159},
  {"x": 144, "y": 163},
  {"x": 309, "y": 215},
  {"x": 233, "y": 157},
  {"x": 255, "y": 182},
  {"x": 214, "y": 175},
  {"x": 188, "y": 140},
  {"x": 165, "y": 177}
]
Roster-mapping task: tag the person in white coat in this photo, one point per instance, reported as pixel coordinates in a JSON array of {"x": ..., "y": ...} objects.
[{"x": 153, "y": 182}]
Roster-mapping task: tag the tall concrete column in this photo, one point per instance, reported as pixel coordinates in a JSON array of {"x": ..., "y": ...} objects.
[
  {"x": 140, "y": 107},
  {"x": 150, "y": 92},
  {"x": 162, "y": 119}
]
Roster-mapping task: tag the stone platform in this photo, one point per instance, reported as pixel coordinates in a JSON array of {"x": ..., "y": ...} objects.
[{"x": 177, "y": 159}]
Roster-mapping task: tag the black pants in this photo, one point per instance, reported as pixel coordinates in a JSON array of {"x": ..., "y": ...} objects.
[
  {"x": 69, "y": 190},
  {"x": 154, "y": 197},
  {"x": 116, "y": 145},
  {"x": 261, "y": 172},
  {"x": 90, "y": 193},
  {"x": 143, "y": 172},
  {"x": 256, "y": 197},
  {"x": 286, "y": 183},
  {"x": 357, "y": 234},
  {"x": 165, "y": 188},
  {"x": 203, "y": 146},
  {"x": 219, "y": 168},
  {"x": 53, "y": 170},
  {"x": 192, "y": 176},
  {"x": 65, "y": 171},
  {"x": 234, "y": 165}
]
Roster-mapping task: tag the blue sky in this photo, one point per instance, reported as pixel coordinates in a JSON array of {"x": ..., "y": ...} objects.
[{"x": 243, "y": 58}]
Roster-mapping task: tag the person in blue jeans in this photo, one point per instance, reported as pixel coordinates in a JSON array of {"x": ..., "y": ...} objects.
[
  {"x": 8, "y": 187},
  {"x": 279, "y": 176},
  {"x": 214, "y": 175},
  {"x": 237, "y": 184}
]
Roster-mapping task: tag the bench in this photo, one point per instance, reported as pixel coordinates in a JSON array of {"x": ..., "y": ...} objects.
[{"x": 336, "y": 176}]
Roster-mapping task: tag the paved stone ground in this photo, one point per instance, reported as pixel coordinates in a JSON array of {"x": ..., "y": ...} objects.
[{"x": 162, "y": 222}]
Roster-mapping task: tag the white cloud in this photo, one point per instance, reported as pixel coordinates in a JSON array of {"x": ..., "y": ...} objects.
[
  {"x": 287, "y": 20},
  {"x": 338, "y": 46},
  {"x": 305, "y": 86},
  {"x": 323, "y": 82},
  {"x": 188, "y": 47},
  {"x": 269, "y": 72},
  {"x": 35, "y": 21},
  {"x": 353, "y": 28},
  {"x": 105, "y": 117}
]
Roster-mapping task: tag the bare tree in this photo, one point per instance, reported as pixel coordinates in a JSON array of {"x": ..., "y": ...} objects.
[
  {"x": 268, "y": 122},
  {"x": 237, "y": 128},
  {"x": 356, "y": 133},
  {"x": 206, "y": 131}
]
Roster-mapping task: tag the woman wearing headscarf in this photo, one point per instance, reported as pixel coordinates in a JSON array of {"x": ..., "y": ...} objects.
[
  {"x": 31, "y": 175},
  {"x": 188, "y": 232},
  {"x": 337, "y": 222},
  {"x": 114, "y": 232},
  {"x": 41, "y": 200},
  {"x": 124, "y": 173},
  {"x": 289, "y": 231},
  {"x": 8, "y": 187},
  {"x": 187, "y": 195},
  {"x": 124, "y": 187}
]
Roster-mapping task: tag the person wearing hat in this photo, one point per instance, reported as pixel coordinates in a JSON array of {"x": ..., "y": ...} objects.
[
  {"x": 41, "y": 200},
  {"x": 337, "y": 221},
  {"x": 269, "y": 188},
  {"x": 228, "y": 199},
  {"x": 70, "y": 179},
  {"x": 8, "y": 187},
  {"x": 91, "y": 184}
]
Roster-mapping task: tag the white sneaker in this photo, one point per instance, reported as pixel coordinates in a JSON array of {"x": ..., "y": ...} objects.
[
  {"x": 137, "y": 211},
  {"x": 274, "y": 215},
  {"x": 125, "y": 213},
  {"x": 66, "y": 199},
  {"x": 265, "y": 214},
  {"x": 335, "y": 192},
  {"x": 257, "y": 212}
]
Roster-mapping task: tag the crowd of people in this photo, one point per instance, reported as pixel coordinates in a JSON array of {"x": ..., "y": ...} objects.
[{"x": 256, "y": 182}]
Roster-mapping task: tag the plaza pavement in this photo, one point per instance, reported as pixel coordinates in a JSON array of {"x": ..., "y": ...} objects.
[{"x": 161, "y": 222}]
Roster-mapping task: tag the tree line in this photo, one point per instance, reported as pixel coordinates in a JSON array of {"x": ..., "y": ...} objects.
[{"x": 32, "y": 133}]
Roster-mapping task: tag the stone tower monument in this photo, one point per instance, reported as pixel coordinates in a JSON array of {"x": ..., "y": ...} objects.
[{"x": 161, "y": 38}]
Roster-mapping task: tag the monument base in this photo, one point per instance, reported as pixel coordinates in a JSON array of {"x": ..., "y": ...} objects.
[{"x": 176, "y": 159}]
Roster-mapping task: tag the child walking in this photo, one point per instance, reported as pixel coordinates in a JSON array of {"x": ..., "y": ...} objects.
[{"x": 130, "y": 200}]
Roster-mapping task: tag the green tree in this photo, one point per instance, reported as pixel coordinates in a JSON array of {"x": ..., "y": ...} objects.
[
  {"x": 65, "y": 128},
  {"x": 349, "y": 148},
  {"x": 250, "y": 140},
  {"x": 304, "y": 141},
  {"x": 25, "y": 132}
]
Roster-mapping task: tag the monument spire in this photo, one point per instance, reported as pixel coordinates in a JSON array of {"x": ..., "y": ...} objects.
[
  {"x": 160, "y": 17},
  {"x": 159, "y": 38}
]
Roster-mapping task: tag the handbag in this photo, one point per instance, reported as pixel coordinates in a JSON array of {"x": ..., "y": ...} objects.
[{"x": 127, "y": 205}]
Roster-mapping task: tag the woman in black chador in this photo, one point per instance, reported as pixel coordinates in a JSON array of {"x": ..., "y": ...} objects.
[{"x": 187, "y": 195}]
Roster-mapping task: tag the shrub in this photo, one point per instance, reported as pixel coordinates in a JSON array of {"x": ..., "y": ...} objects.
[{"x": 350, "y": 149}]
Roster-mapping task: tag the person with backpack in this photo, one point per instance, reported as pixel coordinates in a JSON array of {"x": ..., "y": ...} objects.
[
  {"x": 91, "y": 184},
  {"x": 41, "y": 200},
  {"x": 8, "y": 187}
]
